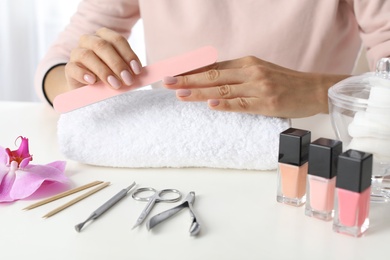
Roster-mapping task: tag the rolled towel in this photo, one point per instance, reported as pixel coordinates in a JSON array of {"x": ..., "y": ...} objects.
[{"x": 151, "y": 128}]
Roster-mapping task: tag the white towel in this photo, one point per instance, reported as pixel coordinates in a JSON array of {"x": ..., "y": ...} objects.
[{"x": 151, "y": 128}]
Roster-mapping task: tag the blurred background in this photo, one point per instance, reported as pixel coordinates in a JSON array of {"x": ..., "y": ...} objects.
[{"x": 28, "y": 28}]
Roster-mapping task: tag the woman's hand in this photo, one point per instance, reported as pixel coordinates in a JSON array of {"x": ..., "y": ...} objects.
[
  {"x": 105, "y": 56},
  {"x": 254, "y": 86}
]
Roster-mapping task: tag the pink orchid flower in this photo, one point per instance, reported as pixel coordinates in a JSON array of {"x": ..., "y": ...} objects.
[{"x": 19, "y": 179}]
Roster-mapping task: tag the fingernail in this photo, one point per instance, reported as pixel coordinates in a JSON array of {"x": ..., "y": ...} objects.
[
  {"x": 183, "y": 92},
  {"x": 169, "y": 80},
  {"x": 114, "y": 82},
  {"x": 213, "y": 102},
  {"x": 134, "y": 65},
  {"x": 90, "y": 79},
  {"x": 126, "y": 77}
]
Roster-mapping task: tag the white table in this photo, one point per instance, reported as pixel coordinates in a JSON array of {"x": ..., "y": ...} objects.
[{"x": 238, "y": 211}]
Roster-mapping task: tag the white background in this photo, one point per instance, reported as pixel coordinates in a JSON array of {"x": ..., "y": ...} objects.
[{"x": 27, "y": 29}]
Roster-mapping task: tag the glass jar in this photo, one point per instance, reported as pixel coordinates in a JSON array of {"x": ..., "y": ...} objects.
[{"x": 359, "y": 108}]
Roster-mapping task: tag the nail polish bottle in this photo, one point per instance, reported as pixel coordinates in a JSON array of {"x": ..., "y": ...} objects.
[
  {"x": 321, "y": 178},
  {"x": 352, "y": 195},
  {"x": 292, "y": 168}
]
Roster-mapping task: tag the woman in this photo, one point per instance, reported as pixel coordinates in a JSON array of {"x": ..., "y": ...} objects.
[{"x": 278, "y": 58}]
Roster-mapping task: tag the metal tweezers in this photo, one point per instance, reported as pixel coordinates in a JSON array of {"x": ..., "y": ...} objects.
[{"x": 188, "y": 202}]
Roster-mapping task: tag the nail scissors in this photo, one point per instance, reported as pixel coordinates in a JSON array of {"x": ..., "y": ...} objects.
[{"x": 157, "y": 196}]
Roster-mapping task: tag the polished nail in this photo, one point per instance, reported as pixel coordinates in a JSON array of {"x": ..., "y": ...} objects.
[
  {"x": 126, "y": 77},
  {"x": 169, "y": 80},
  {"x": 183, "y": 92},
  {"x": 90, "y": 79},
  {"x": 114, "y": 82},
  {"x": 135, "y": 66},
  {"x": 213, "y": 102}
]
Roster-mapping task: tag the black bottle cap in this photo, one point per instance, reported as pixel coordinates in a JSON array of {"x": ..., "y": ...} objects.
[
  {"x": 354, "y": 171},
  {"x": 323, "y": 157},
  {"x": 294, "y": 146}
]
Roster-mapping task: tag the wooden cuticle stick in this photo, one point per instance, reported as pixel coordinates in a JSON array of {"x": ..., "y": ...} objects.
[
  {"x": 63, "y": 194},
  {"x": 74, "y": 201}
]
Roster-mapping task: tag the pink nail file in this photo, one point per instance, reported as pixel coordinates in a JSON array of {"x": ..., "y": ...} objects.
[{"x": 171, "y": 67}]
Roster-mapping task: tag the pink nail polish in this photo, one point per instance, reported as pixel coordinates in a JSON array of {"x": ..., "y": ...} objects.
[
  {"x": 213, "y": 102},
  {"x": 169, "y": 80},
  {"x": 90, "y": 79},
  {"x": 292, "y": 168},
  {"x": 183, "y": 92},
  {"x": 126, "y": 77},
  {"x": 352, "y": 196},
  {"x": 136, "y": 67},
  {"x": 114, "y": 82},
  {"x": 321, "y": 178}
]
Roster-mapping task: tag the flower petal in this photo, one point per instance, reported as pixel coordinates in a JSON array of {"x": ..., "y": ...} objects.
[
  {"x": 5, "y": 188},
  {"x": 3, "y": 164},
  {"x": 3, "y": 172},
  {"x": 7, "y": 182},
  {"x": 59, "y": 165},
  {"x": 24, "y": 162},
  {"x": 22, "y": 153},
  {"x": 29, "y": 179},
  {"x": 4, "y": 158}
]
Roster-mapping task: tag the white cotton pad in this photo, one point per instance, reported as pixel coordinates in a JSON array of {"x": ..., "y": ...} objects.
[
  {"x": 379, "y": 97},
  {"x": 377, "y": 146},
  {"x": 368, "y": 124}
]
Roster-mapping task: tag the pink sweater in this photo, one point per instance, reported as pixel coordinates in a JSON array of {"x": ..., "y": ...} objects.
[{"x": 307, "y": 35}]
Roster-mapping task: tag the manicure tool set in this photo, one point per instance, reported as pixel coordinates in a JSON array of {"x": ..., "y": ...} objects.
[
  {"x": 88, "y": 95},
  {"x": 140, "y": 194}
]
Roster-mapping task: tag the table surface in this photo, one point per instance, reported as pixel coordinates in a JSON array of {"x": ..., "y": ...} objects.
[{"x": 237, "y": 209}]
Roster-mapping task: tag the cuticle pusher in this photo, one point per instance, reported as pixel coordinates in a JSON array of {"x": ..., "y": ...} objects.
[{"x": 106, "y": 206}]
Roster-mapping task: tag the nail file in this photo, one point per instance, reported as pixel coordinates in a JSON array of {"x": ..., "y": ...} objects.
[{"x": 150, "y": 74}]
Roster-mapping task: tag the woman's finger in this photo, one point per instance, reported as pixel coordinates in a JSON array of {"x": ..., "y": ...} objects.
[
  {"x": 240, "y": 104},
  {"x": 252, "y": 105},
  {"x": 206, "y": 79},
  {"x": 78, "y": 76},
  {"x": 118, "y": 71},
  {"x": 226, "y": 91},
  {"x": 122, "y": 47},
  {"x": 88, "y": 59},
  {"x": 229, "y": 64}
]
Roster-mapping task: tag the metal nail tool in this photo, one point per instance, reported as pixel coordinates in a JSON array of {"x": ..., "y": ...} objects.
[
  {"x": 106, "y": 206},
  {"x": 157, "y": 196},
  {"x": 188, "y": 202}
]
